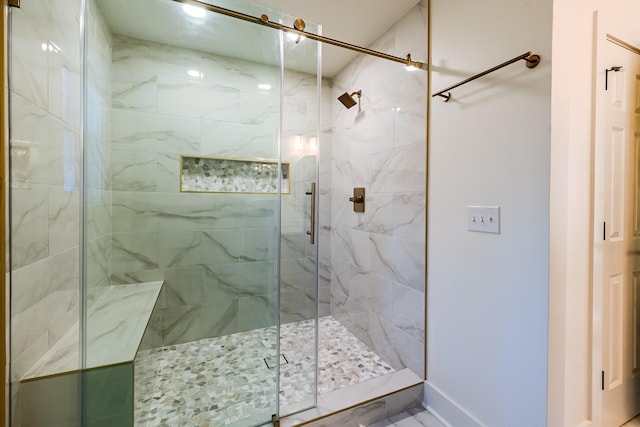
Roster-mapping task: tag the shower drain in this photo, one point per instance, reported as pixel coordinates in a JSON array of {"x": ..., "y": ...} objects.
[{"x": 271, "y": 361}]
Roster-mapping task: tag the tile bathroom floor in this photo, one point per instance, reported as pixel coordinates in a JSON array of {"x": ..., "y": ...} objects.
[
  {"x": 227, "y": 381},
  {"x": 416, "y": 417}
]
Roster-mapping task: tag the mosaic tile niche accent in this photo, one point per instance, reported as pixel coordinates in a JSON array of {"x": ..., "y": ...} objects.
[{"x": 222, "y": 175}]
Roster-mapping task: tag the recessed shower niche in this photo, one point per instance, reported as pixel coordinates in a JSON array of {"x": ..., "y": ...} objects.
[{"x": 223, "y": 175}]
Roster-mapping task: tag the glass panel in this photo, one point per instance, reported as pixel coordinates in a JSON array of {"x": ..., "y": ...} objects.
[
  {"x": 377, "y": 257},
  {"x": 44, "y": 98},
  {"x": 299, "y": 275},
  {"x": 190, "y": 279}
]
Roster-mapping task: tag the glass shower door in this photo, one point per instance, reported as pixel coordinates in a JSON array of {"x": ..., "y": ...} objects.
[
  {"x": 184, "y": 174},
  {"x": 299, "y": 235}
]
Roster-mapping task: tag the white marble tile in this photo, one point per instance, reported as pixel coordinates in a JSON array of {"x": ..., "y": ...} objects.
[
  {"x": 373, "y": 131},
  {"x": 238, "y": 73},
  {"x": 222, "y": 247},
  {"x": 190, "y": 323},
  {"x": 98, "y": 51},
  {"x": 44, "y": 303},
  {"x": 296, "y": 274},
  {"x": 117, "y": 321},
  {"x": 342, "y": 215},
  {"x": 408, "y": 310},
  {"x": 258, "y": 244},
  {"x": 195, "y": 98},
  {"x": 352, "y": 246},
  {"x": 360, "y": 416},
  {"x": 98, "y": 259},
  {"x": 134, "y": 251},
  {"x": 352, "y": 315},
  {"x": 167, "y": 173},
  {"x": 65, "y": 87},
  {"x": 352, "y": 396},
  {"x": 153, "y": 58},
  {"x": 31, "y": 338},
  {"x": 24, "y": 357},
  {"x": 64, "y": 219},
  {"x": 134, "y": 90},
  {"x": 140, "y": 131},
  {"x": 177, "y": 249},
  {"x": 373, "y": 389},
  {"x": 184, "y": 286},
  {"x": 65, "y": 68},
  {"x": 408, "y": 400},
  {"x": 342, "y": 177},
  {"x": 395, "y": 346},
  {"x": 65, "y": 30},
  {"x": 340, "y": 275},
  {"x": 409, "y": 123},
  {"x": 399, "y": 260},
  {"x": 242, "y": 279},
  {"x": 63, "y": 357},
  {"x": 133, "y": 170},
  {"x": 52, "y": 146},
  {"x": 256, "y": 312},
  {"x": 399, "y": 170},
  {"x": 98, "y": 214},
  {"x": 36, "y": 281},
  {"x": 380, "y": 215},
  {"x": 340, "y": 150},
  {"x": 29, "y": 225},
  {"x": 30, "y": 28},
  {"x": 372, "y": 291},
  {"x": 293, "y": 245},
  {"x": 96, "y": 119},
  {"x": 239, "y": 140},
  {"x": 416, "y": 417},
  {"x": 185, "y": 211},
  {"x": 410, "y": 212}
]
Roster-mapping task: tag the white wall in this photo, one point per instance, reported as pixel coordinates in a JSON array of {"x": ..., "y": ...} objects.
[
  {"x": 570, "y": 369},
  {"x": 487, "y": 294}
]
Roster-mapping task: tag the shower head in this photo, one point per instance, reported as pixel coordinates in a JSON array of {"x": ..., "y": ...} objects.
[{"x": 347, "y": 100}]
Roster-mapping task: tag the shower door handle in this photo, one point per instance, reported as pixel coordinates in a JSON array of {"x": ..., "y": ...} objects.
[{"x": 312, "y": 233}]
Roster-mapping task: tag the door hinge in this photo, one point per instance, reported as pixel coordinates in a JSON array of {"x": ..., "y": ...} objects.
[
  {"x": 14, "y": 3},
  {"x": 604, "y": 230},
  {"x": 602, "y": 381},
  {"x": 606, "y": 75}
]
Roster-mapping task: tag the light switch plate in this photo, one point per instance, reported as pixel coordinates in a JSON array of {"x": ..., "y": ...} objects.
[{"x": 485, "y": 219}]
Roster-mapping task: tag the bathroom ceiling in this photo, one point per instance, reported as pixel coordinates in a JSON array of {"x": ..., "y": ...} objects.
[{"x": 358, "y": 22}]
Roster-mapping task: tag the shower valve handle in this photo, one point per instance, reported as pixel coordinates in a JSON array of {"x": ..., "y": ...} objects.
[{"x": 358, "y": 199}]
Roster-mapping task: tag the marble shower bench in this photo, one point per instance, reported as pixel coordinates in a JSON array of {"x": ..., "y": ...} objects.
[{"x": 117, "y": 323}]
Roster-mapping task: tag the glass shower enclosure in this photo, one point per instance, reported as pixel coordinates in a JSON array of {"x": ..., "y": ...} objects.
[{"x": 200, "y": 260}]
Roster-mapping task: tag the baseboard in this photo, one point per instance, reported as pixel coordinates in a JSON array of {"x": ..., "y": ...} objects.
[{"x": 446, "y": 410}]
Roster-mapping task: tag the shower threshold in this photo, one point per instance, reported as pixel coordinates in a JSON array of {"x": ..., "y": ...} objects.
[{"x": 224, "y": 381}]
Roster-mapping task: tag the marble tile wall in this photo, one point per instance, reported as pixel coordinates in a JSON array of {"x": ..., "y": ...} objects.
[
  {"x": 97, "y": 145},
  {"x": 378, "y": 257},
  {"x": 216, "y": 252},
  {"x": 45, "y": 103}
]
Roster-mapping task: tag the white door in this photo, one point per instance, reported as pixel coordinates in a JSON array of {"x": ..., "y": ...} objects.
[{"x": 617, "y": 194}]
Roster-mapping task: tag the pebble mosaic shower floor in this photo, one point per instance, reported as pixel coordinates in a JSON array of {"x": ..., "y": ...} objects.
[{"x": 223, "y": 381}]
